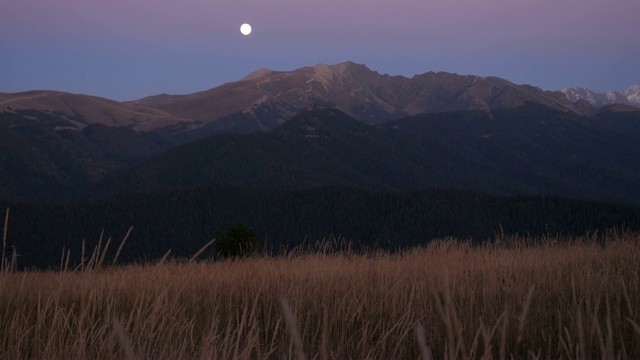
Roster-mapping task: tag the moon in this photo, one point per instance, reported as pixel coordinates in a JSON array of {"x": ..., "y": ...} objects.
[{"x": 245, "y": 29}]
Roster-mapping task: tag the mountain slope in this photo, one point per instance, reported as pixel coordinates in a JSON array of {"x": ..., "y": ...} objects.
[
  {"x": 530, "y": 149},
  {"x": 535, "y": 149},
  {"x": 621, "y": 119},
  {"x": 45, "y": 157},
  {"x": 318, "y": 147}
]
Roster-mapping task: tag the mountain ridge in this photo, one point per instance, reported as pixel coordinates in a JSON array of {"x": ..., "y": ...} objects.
[
  {"x": 265, "y": 99},
  {"x": 82, "y": 110},
  {"x": 355, "y": 89},
  {"x": 532, "y": 149}
]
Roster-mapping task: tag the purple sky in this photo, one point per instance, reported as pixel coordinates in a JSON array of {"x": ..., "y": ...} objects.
[{"x": 128, "y": 49}]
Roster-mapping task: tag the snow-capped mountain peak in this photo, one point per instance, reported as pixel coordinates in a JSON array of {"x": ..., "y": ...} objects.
[{"x": 630, "y": 96}]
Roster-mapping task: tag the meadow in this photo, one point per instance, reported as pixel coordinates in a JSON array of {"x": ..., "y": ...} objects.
[{"x": 548, "y": 297}]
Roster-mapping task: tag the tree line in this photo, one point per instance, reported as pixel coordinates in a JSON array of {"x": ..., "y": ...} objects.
[{"x": 184, "y": 220}]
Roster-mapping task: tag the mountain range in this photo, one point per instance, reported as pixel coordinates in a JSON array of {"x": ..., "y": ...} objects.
[
  {"x": 324, "y": 125},
  {"x": 266, "y": 99}
]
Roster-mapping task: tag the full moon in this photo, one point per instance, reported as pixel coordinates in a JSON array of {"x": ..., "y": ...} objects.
[{"x": 245, "y": 29}]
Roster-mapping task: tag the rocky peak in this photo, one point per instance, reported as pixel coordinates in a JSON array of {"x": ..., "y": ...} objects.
[{"x": 264, "y": 72}]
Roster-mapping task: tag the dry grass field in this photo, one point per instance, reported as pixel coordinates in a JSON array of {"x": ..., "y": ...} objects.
[{"x": 517, "y": 298}]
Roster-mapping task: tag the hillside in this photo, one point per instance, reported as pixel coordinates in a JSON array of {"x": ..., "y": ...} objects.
[
  {"x": 318, "y": 147},
  {"x": 45, "y": 157},
  {"x": 531, "y": 149},
  {"x": 619, "y": 118},
  {"x": 535, "y": 149}
]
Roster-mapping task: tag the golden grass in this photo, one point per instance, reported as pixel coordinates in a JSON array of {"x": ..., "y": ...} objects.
[{"x": 548, "y": 298}]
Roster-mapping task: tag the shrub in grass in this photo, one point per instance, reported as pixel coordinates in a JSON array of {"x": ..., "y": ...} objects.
[{"x": 239, "y": 240}]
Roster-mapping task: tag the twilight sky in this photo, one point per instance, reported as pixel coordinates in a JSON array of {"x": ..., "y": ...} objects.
[{"x": 128, "y": 49}]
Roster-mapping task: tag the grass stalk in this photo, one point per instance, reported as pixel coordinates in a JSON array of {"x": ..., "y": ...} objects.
[
  {"x": 292, "y": 326},
  {"x": 199, "y": 252},
  {"x": 124, "y": 240},
  {"x": 4, "y": 239}
]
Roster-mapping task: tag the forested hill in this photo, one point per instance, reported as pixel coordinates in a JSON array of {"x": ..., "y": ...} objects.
[
  {"x": 184, "y": 220},
  {"x": 319, "y": 147},
  {"x": 536, "y": 149},
  {"x": 531, "y": 149}
]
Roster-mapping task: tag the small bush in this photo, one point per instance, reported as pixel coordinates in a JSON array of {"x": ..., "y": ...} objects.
[{"x": 238, "y": 241}]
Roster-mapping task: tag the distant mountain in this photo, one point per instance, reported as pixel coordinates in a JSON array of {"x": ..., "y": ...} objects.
[
  {"x": 531, "y": 149},
  {"x": 81, "y": 110},
  {"x": 266, "y": 99},
  {"x": 372, "y": 131},
  {"x": 630, "y": 96}
]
